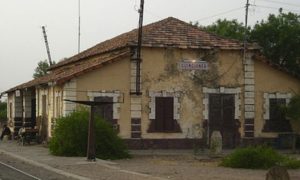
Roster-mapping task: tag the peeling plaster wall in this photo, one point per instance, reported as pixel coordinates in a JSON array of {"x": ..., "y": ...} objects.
[
  {"x": 160, "y": 73},
  {"x": 230, "y": 67}
]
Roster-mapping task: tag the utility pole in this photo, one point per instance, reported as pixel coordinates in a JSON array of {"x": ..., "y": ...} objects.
[
  {"x": 139, "y": 47},
  {"x": 245, "y": 30},
  {"x": 78, "y": 26},
  {"x": 47, "y": 45}
]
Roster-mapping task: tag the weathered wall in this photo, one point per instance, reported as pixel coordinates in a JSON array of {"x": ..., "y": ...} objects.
[
  {"x": 10, "y": 109},
  {"x": 160, "y": 73},
  {"x": 109, "y": 80},
  {"x": 270, "y": 80},
  {"x": 52, "y": 92}
]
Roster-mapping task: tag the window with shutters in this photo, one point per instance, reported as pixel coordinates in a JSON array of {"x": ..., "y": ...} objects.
[
  {"x": 164, "y": 116},
  {"x": 105, "y": 110},
  {"x": 277, "y": 121}
]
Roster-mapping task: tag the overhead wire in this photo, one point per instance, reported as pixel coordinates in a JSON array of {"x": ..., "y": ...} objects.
[
  {"x": 219, "y": 14},
  {"x": 272, "y": 7},
  {"x": 283, "y": 3}
]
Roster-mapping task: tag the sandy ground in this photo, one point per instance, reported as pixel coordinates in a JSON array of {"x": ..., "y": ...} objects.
[{"x": 191, "y": 167}]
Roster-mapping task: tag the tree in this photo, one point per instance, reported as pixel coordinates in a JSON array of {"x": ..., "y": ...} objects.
[
  {"x": 292, "y": 111},
  {"x": 293, "y": 108},
  {"x": 279, "y": 37},
  {"x": 227, "y": 28},
  {"x": 41, "y": 69}
]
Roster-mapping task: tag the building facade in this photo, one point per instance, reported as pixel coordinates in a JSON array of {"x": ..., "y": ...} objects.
[{"x": 189, "y": 83}]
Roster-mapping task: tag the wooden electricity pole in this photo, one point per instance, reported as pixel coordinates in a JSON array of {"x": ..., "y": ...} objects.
[
  {"x": 47, "y": 45},
  {"x": 245, "y": 30},
  {"x": 139, "y": 47},
  {"x": 78, "y": 26}
]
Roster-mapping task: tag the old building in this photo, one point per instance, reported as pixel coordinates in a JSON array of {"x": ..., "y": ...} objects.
[{"x": 189, "y": 84}]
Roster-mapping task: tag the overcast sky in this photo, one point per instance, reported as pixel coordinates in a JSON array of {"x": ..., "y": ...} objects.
[{"x": 22, "y": 45}]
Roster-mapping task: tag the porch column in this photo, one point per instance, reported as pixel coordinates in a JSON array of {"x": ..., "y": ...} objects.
[{"x": 18, "y": 111}]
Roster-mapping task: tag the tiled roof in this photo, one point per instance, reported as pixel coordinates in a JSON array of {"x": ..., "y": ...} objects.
[
  {"x": 169, "y": 32},
  {"x": 66, "y": 73}
]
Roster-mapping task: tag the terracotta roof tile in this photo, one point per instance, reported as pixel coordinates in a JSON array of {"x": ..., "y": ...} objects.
[
  {"x": 168, "y": 32},
  {"x": 66, "y": 73}
]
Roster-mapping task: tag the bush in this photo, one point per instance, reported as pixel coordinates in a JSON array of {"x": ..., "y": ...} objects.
[
  {"x": 70, "y": 137},
  {"x": 260, "y": 157}
]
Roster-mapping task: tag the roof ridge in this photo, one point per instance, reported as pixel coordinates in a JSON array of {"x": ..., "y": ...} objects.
[
  {"x": 166, "y": 32},
  {"x": 64, "y": 62}
]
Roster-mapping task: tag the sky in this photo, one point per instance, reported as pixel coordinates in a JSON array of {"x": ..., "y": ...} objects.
[{"x": 22, "y": 44}]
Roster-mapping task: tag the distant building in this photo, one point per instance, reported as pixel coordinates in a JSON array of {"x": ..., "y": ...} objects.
[{"x": 192, "y": 83}]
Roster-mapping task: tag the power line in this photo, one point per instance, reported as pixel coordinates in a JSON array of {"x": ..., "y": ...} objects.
[
  {"x": 283, "y": 3},
  {"x": 136, "y": 8},
  {"x": 272, "y": 7},
  {"x": 152, "y": 14},
  {"x": 219, "y": 14}
]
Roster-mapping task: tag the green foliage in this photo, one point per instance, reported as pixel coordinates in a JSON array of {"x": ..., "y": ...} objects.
[
  {"x": 227, "y": 28},
  {"x": 260, "y": 157},
  {"x": 70, "y": 137},
  {"x": 3, "y": 111},
  {"x": 293, "y": 108},
  {"x": 279, "y": 37},
  {"x": 291, "y": 163},
  {"x": 41, "y": 69}
]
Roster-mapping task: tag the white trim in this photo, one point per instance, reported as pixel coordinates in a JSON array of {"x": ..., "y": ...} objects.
[
  {"x": 176, "y": 103},
  {"x": 222, "y": 90},
  {"x": 114, "y": 94},
  {"x": 277, "y": 95},
  {"x": 69, "y": 92}
]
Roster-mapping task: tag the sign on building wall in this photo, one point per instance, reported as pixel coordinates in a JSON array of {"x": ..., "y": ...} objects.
[{"x": 193, "y": 65}]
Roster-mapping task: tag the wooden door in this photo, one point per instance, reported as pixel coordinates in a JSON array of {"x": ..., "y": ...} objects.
[
  {"x": 221, "y": 118},
  {"x": 164, "y": 120}
]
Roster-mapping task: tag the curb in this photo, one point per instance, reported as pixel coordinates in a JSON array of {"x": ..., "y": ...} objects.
[
  {"x": 47, "y": 167},
  {"x": 103, "y": 163}
]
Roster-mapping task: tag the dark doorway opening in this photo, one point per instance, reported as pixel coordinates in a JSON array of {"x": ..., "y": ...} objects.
[
  {"x": 105, "y": 110},
  {"x": 221, "y": 118},
  {"x": 33, "y": 112}
]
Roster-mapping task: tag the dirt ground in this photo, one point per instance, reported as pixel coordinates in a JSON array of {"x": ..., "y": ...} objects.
[
  {"x": 145, "y": 165},
  {"x": 189, "y": 167}
]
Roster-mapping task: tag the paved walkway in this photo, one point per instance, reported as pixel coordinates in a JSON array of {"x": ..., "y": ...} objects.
[
  {"x": 147, "y": 165},
  {"x": 74, "y": 167}
]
